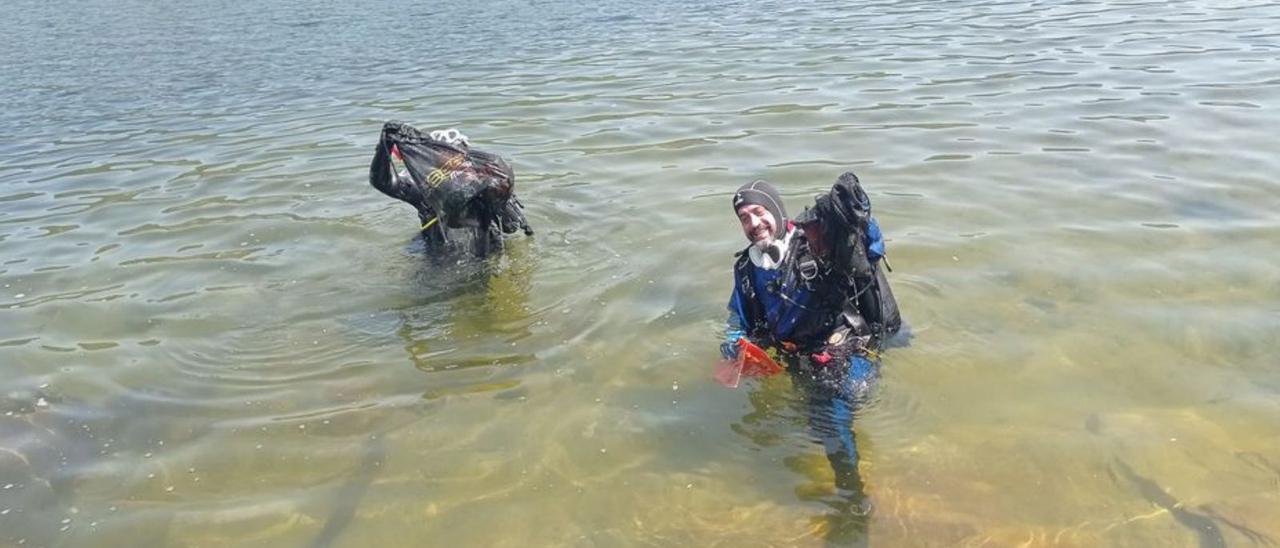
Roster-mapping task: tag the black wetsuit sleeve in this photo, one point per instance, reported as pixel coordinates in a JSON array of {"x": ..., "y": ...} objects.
[{"x": 387, "y": 181}]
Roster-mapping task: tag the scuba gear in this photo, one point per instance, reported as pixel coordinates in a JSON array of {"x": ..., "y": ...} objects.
[
  {"x": 771, "y": 303},
  {"x": 853, "y": 245},
  {"x": 798, "y": 301},
  {"x": 451, "y": 185},
  {"x": 763, "y": 194}
]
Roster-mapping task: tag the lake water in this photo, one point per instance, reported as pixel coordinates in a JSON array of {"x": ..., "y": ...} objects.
[{"x": 214, "y": 332}]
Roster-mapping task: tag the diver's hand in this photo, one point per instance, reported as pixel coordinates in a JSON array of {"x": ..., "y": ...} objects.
[{"x": 729, "y": 350}]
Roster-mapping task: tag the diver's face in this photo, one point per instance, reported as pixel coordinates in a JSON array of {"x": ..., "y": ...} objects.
[{"x": 757, "y": 223}]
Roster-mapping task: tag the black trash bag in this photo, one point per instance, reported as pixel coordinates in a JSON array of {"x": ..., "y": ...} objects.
[
  {"x": 450, "y": 184},
  {"x": 853, "y": 246}
]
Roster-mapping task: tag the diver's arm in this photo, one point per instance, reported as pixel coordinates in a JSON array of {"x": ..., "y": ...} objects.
[{"x": 383, "y": 178}]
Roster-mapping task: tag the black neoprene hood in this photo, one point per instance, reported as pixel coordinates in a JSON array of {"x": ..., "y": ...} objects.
[{"x": 763, "y": 194}]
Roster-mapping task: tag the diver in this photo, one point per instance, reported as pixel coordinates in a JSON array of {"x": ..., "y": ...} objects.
[
  {"x": 464, "y": 197},
  {"x": 813, "y": 289}
]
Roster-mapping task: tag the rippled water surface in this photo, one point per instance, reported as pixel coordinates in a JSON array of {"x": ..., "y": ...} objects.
[{"x": 213, "y": 331}]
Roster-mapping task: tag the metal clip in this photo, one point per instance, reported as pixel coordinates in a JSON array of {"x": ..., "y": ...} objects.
[{"x": 809, "y": 270}]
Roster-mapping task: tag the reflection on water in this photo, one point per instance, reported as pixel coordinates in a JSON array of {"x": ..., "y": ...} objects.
[
  {"x": 472, "y": 313},
  {"x": 780, "y": 410},
  {"x": 211, "y": 331}
]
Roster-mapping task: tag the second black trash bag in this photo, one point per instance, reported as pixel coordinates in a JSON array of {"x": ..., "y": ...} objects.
[
  {"x": 451, "y": 185},
  {"x": 842, "y": 220}
]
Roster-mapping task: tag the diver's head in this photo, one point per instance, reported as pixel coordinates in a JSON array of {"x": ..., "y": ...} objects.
[{"x": 759, "y": 209}]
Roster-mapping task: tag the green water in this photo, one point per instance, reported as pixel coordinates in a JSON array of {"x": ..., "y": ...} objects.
[{"x": 214, "y": 332}]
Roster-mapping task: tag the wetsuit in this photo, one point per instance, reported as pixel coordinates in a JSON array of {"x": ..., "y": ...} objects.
[{"x": 795, "y": 308}]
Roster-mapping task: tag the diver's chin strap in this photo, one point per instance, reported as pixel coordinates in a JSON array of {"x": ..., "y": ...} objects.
[{"x": 771, "y": 255}]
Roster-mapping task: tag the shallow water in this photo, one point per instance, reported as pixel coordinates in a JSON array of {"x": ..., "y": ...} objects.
[{"x": 214, "y": 331}]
